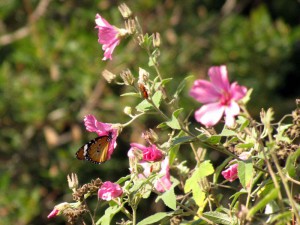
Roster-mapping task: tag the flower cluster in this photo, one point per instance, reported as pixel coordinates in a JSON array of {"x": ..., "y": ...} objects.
[{"x": 156, "y": 166}]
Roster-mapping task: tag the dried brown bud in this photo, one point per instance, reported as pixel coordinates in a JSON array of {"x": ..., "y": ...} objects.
[
  {"x": 108, "y": 76},
  {"x": 156, "y": 40},
  {"x": 127, "y": 77},
  {"x": 125, "y": 11}
]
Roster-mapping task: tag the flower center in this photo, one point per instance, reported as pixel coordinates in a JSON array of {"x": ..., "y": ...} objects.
[{"x": 226, "y": 98}]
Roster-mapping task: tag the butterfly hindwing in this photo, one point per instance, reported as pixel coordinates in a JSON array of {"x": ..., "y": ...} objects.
[{"x": 95, "y": 151}]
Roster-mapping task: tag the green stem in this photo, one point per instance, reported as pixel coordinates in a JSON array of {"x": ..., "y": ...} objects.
[{"x": 133, "y": 215}]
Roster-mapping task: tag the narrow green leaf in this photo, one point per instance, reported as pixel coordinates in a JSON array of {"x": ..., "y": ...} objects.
[
  {"x": 173, "y": 153},
  {"x": 227, "y": 133},
  {"x": 245, "y": 145},
  {"x": 154, "y": 218},
  {"x": 220, "y": 218},
  {"x": 245, "y": 173},
  {"x": 181, "y": 140},
  {"x": 130, "y": 94},
  {"x": 182, "y": 85},
  {"x": 273, "y": 194}
]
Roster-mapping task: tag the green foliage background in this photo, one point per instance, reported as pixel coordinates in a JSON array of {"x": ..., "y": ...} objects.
[{"x": 51, "y": 77}]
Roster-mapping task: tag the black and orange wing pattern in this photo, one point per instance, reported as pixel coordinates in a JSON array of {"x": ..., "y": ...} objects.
[{"x": 95, "y": 151}]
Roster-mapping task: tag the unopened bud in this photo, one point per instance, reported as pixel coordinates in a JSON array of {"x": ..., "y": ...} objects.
[
  {"x": 150, "y": 136},
  {"x": 125, "y": 11},
  {"x": 156, "y": 40},
  {"x": 127, "y": 77},
  {"x": 108, "y": 76},
  {"x": 128, "y": 110}
]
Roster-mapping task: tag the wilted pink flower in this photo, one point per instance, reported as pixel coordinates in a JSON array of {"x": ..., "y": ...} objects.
[
  {"x": 102, "y": 129},
  {"x": 109, "y": 36},
  {"x": 57, "y": 209},
  {"x": 231, "y": 173},
  {"x": 109, "y": 190},
  {"x": 218, "y": 96},
  {"x": 164, "y": 183},
  {"x": 151, "y": 153}
]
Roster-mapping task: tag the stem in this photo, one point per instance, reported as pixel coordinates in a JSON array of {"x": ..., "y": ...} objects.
[
  {"x": 286, "y": 187},
  {"x": 133, "y": 215},
  {"x": 133, "y": 118}
]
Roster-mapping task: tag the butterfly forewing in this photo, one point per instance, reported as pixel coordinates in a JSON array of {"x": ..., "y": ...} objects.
[{"x": 95, "y": 151}]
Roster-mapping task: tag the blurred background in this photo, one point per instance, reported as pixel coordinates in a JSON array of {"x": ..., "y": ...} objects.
[{"x": 50, "y": 77}]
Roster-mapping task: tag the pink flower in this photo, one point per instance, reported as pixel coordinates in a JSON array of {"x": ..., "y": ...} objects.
[
  {"x": 108, "y": 36},
  {"x": 102, "y": 129},
  {"x": 218, "y": 97},
  {"x": 231, "y": 173},
  {"x": 57, "y": 209},
  {"x": 109, "y": 190},
  {"x": 151, "y": 153},
  {"x": 164, "y": 183},
  {"x": 53, "y": 213}
]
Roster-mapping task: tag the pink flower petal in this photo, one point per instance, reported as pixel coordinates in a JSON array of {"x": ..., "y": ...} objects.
[
  {"x": 109, "y": 190},
  {"x": 204, "y": 92},
  {"x": 209, "y": 114},
  {"x": 219, "y": 78},
  {"x": 230, "y": 112},
  {"x": 237, "y": 92},
  {"x": 231, "y": 173},
  {"x": 164, "y": 183}
]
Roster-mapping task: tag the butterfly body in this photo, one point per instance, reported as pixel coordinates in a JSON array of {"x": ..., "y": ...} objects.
[{"x": 95, "y": 151}]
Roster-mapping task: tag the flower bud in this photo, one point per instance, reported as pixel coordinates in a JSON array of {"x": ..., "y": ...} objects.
[
  {"x": 125, "y": 11},
  {"x": 127, "y": 77},
  {"x": 150, "y": 136},
  {"x": 128, "y": 110},
  {"x": 156, "y": 40},
  {"x": 108, "y": 76}
]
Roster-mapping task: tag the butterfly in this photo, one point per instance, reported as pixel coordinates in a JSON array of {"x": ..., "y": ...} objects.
[{"x": 96, "y": 150}]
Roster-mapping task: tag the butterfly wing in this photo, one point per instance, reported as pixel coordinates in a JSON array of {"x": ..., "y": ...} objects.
[{"x": 95, "y": 151}]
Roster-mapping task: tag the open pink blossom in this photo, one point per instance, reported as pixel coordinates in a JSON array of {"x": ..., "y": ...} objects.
[
  {"x": 109, "y": 190},
  {"x": 108, "y": 36},
  {"x": 164, "y": 183},
  {"x": 102, "y": 129},
  {"x": 150, "y": 154},
  {"x": 218, "y": 96}
]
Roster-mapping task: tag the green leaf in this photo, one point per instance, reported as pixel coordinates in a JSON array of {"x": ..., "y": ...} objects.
[
  {"x": 182, "y": 85},
  {"x": 157, "y": 98},
  {"x": 169, "y": 198},
  {"x": 220, "y": 218},
  {"x": 181, "y": 140},
  {"x": 203, "y": 170},
  {"x": 227, "y": 133},
  {"x": 154, "y": 218},
  {"x": 108, "y": 215},
  {"x": 130, "y": 94},
  {"x": 245, "y": 173},
  {"x": 237, "y": 195},
  {"x": 273, "y": 194},
  {"x": 173, "y": 153},
  {"x": 173, "y": 123},
  {"x": 145, "y": 105},
  {"x": 245, "y": 145},
  {"x": 214, "y": 139},
  {"x": 290, "y": 165}
]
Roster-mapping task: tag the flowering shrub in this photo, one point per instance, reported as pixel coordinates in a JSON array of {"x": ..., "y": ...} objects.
[{"x": 260, "y": 170}]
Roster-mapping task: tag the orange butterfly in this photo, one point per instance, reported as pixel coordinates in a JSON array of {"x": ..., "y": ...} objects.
[{"x": 96, "y": 150}]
